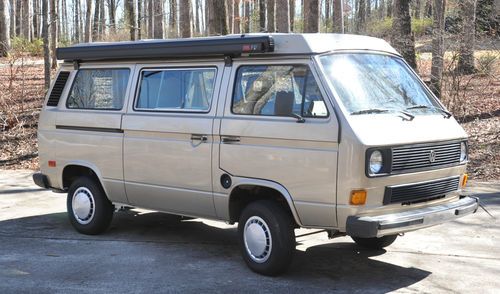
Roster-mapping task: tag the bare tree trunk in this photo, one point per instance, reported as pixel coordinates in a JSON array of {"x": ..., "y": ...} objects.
[
  {"x": 4, "y": 29},
  {"x": 140, "y": 18},
  {"x": 36, "y": 19},
  {"x": 247, "y": 19},
  {"x": 19, "y": 16},
  {"x": 236, "y": 17},
  {"x": 53, "y": 31},
  {"x": 381, "y": 10},
  {"x": 327, "y": 14},
  {"x": 389, "y": 8},
  {"x": 150, "y": 18},
  {"x": 262, "y": 15},
  {"x": 292, "y": 14},
  {"x": 338, "y": 16},
  {"x": 88, "y": 21},
  {"x": 12, "y": 13},
  {"x": 102, "y": 20},
  {"x": 131, "y": 18},
  {"x": 95, "y": 23},
  {"x": 26, "y": 19},
  {"x": 46, "y": 49},
  {"x": 361, "y": 17},
  {"x": 64, "y": 19},
  {"x": 76, "y": 7},
  {"x": 466, "y": 54},
  {"x": 217, "y": 24},
  {"x": 271, "y": 12},
  {"x": 112, "y": 16},
  {"x": 402, "y": 38},
  {"x": 185, "y": 18},
  {"x": 196, "y": 13},
  {"x": 172, "y": 21},
  {"x": 437, "y": 46},
  {"x": 311, "y": 16},
  {"x": 283, "y": 17}
]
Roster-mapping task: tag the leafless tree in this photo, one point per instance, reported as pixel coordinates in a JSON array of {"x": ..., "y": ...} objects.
[
  {"x": 338, "y": 16},
  {"x": 172, "y": 22},
  {"x": 45, "y": 35},
  {"x": 185, "y": 18},
  {"x": 466, "y": 55},
  {"x": 217, "y": 20},
  {"x": 311, "y": 16},
  {"x": 236, "y": 17},
  {"x": 292, "y": 14},
  {"x": 53, "y": 32},
  {"x": 271, "y": 11},
  {"x": 262, "y": 15},
  {"x": 283, "y": 17},
  {"x": 88, "y": 21},
  {"x": 131, "y": 18},
  {"x": 4, "y": 29},
  {"x": 402, "y": 37},
  {"x": 437, "y": 46}
]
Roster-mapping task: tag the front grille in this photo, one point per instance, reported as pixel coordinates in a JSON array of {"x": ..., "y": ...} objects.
[
  {"x": 416, "y": 157},
  {"x": 420, "y": 192}
]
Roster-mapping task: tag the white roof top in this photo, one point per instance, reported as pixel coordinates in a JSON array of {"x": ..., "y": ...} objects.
[{"x": 320, "y": 43}]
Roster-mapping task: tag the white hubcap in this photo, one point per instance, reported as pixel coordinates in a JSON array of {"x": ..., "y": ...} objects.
[
  {"x": 83, "y": 205},
  {"x": 257, "y": 238}
]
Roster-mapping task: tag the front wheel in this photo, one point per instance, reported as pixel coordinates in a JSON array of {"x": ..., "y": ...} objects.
[
  {"x": 375, "y": 243},
  {"x": 89, "y": 210},
  {"x": 267, "y": 238}
]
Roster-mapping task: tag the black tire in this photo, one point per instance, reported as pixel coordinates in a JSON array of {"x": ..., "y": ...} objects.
[
  {"x": 375, "y": 243},
  {"x": 282, "y": 237},
  {"x": 101, "y": 212}
]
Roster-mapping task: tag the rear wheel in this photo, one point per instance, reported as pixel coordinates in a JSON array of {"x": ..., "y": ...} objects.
[
  {"x": 267, "y": 238},
  {"x": 375, "y": 243},
  {"x": 89, "y": 210}
]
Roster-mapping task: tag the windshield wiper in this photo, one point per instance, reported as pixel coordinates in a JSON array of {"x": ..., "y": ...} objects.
[
  {"x": 368, "y": 111},
  {"x": 447, "y": 114}
]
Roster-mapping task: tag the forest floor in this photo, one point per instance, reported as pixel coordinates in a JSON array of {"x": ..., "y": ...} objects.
[{"x": 473, "y": 99}]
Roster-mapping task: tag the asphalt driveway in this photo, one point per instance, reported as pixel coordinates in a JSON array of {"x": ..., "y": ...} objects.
[{"x": 152, "y": 252}]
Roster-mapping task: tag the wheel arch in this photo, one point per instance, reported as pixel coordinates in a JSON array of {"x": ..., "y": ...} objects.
[
  {"x": 72, "y": 170},
  {"x": 246, "y": 191}
]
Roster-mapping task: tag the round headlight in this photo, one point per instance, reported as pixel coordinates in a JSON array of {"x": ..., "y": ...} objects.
[
  {"x": 463, "y": 152},
  {"x": 376, "y": 162}
]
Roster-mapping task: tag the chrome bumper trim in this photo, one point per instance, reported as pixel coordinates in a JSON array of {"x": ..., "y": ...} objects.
[{"x": 389, "y": 224}]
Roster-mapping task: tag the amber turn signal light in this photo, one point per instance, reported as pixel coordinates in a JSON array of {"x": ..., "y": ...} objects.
[
  {"x": 464, "y": 180},
  {"x": 358, "y": 197}
]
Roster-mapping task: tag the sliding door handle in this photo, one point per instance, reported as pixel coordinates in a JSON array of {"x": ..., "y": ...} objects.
[
  {"x": 198, "y": 137},
  {"x": 230, "y": 139}
]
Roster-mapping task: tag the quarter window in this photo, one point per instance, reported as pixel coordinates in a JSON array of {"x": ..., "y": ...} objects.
[
  {"x": 177, "y": 89},
  {"x": 277, "y": 90},
  {"x": 99, "y": 89}
]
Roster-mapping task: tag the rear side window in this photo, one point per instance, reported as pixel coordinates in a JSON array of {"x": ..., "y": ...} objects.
[
  {"x": 176, "y": 89},
  {"x": 99, "y": 89},
  {"x": 277, "y": 90}
]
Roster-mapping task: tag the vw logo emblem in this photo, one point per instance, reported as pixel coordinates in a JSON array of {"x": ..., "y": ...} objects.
[{"x": 432, "y": 156}]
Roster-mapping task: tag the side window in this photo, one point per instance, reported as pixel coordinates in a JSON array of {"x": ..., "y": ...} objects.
[
  {"x": 176, "y": 89},
  {"x": 98, "y": 89},
  {"x": 277, "y": 90}
]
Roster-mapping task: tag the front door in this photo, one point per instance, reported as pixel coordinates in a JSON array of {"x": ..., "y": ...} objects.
[
  {"x": 280, "y": 127},
  {"x": 168, "y": 138}
]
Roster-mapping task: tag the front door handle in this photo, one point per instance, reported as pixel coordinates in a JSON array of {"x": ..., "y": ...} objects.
[
  {"x": 198, "y": 137},
  {"x": 230, "y": 139}
]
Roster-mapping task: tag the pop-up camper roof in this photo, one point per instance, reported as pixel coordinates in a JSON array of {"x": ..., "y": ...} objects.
[{"x": 231, "y": 45}]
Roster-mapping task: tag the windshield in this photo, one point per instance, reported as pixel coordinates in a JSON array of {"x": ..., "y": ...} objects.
[{"x": 375, "y": 83}]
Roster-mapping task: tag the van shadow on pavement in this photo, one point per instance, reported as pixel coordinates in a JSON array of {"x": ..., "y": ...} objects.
[{"x": 156, "y": 251}]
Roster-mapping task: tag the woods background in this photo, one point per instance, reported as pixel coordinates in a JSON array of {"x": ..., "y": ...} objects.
[{"x": 452, "y": 44}]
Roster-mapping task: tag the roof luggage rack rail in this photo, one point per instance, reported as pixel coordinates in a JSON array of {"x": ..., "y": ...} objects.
[{"x": 233, "y": 46}]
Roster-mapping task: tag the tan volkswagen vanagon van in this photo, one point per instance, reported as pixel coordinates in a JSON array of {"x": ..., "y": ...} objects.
[{"x": 272, "y": 131}]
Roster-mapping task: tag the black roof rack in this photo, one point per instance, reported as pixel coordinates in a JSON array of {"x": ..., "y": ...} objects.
[{"x": 212, "y": 46}]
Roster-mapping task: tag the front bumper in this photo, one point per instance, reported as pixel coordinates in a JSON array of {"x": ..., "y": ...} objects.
[{"x": 394, "y": 223}]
